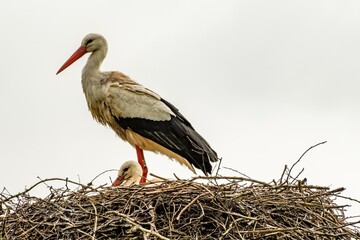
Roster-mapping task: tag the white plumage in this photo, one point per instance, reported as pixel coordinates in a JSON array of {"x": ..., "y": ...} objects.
[{"x": 129, "y": 174}]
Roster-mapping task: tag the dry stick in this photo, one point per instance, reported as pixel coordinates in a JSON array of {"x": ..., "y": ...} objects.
[
  {"x": 42, "y": 181},
  {"x": 217, "y": 171},
  {"x": 4, "y": 224},
  {"x": 234, "y": 214},
  {"x": 95, "y": 221},
  {"x": 138, "y": 226},
  {"x": 348, "y": 198},
  {"x": 85, "y": 233},
  {"x": 315, "y": 195},
  {"x": 232, "y": 178},
  {"x": 267, "y": 231},
  {"x": 297, "y": 186},
  {"x": 153, "y": 218},
  {"x": 110, "y": 170},
  {"x": 189, "y": 204},
  {"x": 287, "y": 179},
  {"x": 296, "y": 177},
  {"x": 145, "y": 236},
  {"x": 29, "y": 230},
  {"x": 230, "y": 227},
  {"x": 177, "y": 178},
  {"x": 283, "y": 173},
  {"x": 206, "y": 189},
  {"x": 156, "y": 176},
  {"x": 231, "y": 169}
]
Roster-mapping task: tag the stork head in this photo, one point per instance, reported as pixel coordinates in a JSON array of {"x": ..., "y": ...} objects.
[
  {"x": 130, "y": 173},
  {"x": 91, "y": 43}
]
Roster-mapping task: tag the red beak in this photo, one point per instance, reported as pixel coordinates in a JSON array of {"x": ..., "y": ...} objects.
[
  {"x": 118, "y": 181},
  {"x": 76, "y": 55}
]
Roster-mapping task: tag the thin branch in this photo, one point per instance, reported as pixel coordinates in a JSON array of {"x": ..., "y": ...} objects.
[
  {"x": 157, "y": 176},
  {"x": 234, "y": 170},
  {"x": 283, "y": 173},
  {"x": 40, "y": 182},
  {"x": 138, "y": 226},
  {"x": 188, "y": 205},
  {"x": 287, "y": 179},
  {"x": 348, "y": 198},
  {"x": 218, "y": 167},
  {"x": 298, "y": 175},
  {"x": 231, "y": 178},
  {"x": 91, "y": 182},
  {"x": 95, "y": 221}
]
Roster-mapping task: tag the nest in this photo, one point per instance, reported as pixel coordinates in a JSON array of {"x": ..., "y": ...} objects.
[{"x": 200, "y": 208}]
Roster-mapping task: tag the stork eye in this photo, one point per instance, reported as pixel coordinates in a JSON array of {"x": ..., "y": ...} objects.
[
  {"x": 89, "y": 41},
  {"x": 125, "y": 169}
]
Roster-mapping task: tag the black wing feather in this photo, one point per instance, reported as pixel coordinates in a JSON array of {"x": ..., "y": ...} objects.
[{"x": 177, "y": 135}]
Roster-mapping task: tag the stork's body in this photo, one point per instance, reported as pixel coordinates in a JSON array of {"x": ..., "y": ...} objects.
[{"x": 137, "y": 114}]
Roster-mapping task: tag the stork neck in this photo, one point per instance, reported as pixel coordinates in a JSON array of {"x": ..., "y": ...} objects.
[
  {"x": 91, "y": 79},
  {"x": 92, "y": 66}
]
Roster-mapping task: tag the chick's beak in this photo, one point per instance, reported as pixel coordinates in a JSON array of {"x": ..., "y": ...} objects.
[{"x": 118, "y": 181}]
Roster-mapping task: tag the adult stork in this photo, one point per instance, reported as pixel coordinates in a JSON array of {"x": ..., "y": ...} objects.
[{"x": 137, "y": 114}]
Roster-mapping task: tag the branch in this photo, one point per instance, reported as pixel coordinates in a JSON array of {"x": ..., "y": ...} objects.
[
  {"x": 43, "y": 181},
  {"x": 189, "y": 204},
  {"x": 139, "y": 227},
  {"x": 91, "y": 182},
  {"x": 287, "y": 179}
]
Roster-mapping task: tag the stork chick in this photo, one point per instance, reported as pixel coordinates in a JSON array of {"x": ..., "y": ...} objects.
[{"x": 129, "y": 174}]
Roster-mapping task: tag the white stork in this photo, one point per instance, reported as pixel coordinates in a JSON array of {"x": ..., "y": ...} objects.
[
  {"x": 129, "y": 174},
  {"x": 137, "y": 114}
]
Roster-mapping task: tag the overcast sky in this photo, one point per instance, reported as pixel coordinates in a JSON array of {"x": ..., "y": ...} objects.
[{"x": 262, "y": 81}]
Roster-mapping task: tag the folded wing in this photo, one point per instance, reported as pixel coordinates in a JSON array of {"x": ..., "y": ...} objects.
[{"x": 142, "y": 111}]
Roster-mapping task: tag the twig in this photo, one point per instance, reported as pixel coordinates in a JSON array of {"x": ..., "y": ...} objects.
[
  {"x": 156, "y": 176},
  {"x": 234, "y": 170},
  {"x": 153, "y": 218},
  {"x": 91, "y": 182},
  {"x": 218, "y": 167},
  {"x": 230, "y": 227},
  {"x": 83, "y": 232},
  {"x": 348, "y": 198},
  {"x": 298, "y": 175},
  {"x": 266, "y": 231},
  {"x": 189, "y": 204},
  {"x": 95, "y": 221},
  {"x": 38, "y": 183},
  {"x": 231, "y": 178},
  {"x": 137, "y": 226},
  {"x": 283, "y": 173},
  {"x": 287, "y": 179}
]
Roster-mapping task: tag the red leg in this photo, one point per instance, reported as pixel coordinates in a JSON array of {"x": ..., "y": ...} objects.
[{"x": 141, "y": 160}]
